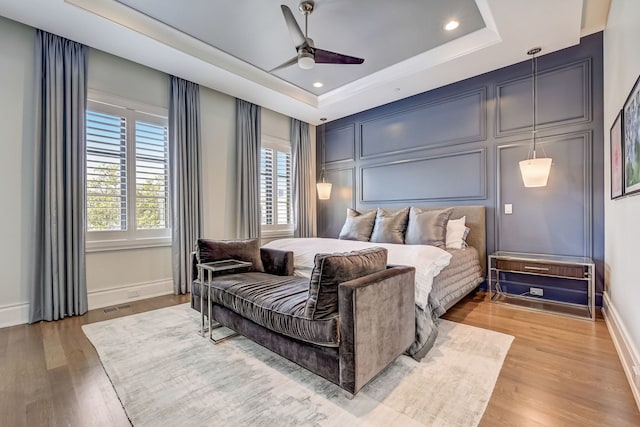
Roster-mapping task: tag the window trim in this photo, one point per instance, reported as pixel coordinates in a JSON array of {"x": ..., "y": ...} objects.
[
  {"x": 278, "y": 230},
  {"x": 132, "y": 238}
]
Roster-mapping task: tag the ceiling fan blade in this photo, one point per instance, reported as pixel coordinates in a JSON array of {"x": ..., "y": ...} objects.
[
  {"x": 294, "y": 29},
  {"x": 290, "y": 62},
  {"x": 328, "y": 57}
]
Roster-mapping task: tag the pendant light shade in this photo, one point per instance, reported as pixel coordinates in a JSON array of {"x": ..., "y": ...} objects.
[
  {"x": 535, "y": 171},
  {"x": 324, "y": 190},
  {"x": 324, "y": 187}
]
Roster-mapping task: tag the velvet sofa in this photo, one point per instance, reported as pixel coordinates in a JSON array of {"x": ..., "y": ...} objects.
[{"x": 347, "y": 323}]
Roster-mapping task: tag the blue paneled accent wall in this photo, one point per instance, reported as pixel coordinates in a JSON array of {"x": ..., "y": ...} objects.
[{"x": 461, "y": 144}]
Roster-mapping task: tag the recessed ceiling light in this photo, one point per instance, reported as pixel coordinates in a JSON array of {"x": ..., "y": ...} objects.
[
  {"x": 451, "y": 25},
  {"x": 318, "y": 84}
]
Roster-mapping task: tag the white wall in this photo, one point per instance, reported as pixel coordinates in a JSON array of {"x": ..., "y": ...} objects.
[
  {"x": 17, "y": 122},
  {"x": 622, "y": 216},
  {"x": 117, "y": 276},
  {"x": 218, "y": 117},
  {"x": 112, "y": 276},
  {"x": 279, "y": 126}
]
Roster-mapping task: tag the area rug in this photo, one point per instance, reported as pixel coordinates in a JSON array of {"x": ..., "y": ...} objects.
[{"x": 165, "y": 374}]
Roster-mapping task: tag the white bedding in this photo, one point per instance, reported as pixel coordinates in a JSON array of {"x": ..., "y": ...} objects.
[{"x": 428, "y": 260}]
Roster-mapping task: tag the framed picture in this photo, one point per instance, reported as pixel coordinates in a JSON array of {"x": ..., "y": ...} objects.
[
  {"x": 617, "y": 168},
  {"x": 631, "y": 116}
]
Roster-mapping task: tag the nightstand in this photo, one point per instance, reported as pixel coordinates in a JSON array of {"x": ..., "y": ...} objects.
[{"x": 566, "y": 267}]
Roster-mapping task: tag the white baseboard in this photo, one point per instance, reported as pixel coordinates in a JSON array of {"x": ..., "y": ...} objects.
[
  {"x": 18, "y": 314},
  {"x": 14, "y": 314},
  {"x": 130, "y": 292},
  {"x": 628, "y": 354}
]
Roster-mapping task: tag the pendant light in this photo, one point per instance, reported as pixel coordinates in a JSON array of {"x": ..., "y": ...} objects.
[
  {"x": 534, "y": 170},
  {"x": 324, "y": 187}
]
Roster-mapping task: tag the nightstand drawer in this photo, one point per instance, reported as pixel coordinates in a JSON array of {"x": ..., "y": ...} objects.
[{"x": 546, "y": 269}]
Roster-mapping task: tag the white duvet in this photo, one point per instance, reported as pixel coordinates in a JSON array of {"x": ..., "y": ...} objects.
[{"x": 428, "y": 260}]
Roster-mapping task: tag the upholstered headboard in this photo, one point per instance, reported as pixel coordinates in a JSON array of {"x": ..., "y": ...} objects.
[{"x": 476, "y": 221}]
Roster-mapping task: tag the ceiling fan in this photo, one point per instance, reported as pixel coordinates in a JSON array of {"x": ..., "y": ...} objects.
[{"x": 309, "y": 55}]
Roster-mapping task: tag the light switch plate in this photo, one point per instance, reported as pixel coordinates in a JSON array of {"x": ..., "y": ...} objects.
[{"x": 508, "y": 208}]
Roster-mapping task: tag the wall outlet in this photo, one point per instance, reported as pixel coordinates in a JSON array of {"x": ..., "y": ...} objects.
[
  {"x": 133, "y": 294},
  {"x": 536, "y": 291},
  {"x": 508, "y": 208}
]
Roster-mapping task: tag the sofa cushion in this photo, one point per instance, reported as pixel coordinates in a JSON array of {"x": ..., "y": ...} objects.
[
  {"x": 242, "y": 250},
  {"x": 332, "y": 269},
  {"x": 275, "y": 302}
]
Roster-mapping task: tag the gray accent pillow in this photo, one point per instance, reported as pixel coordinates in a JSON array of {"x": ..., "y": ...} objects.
[
  {"x": 390, "y": 227},
  {"x": 357, "y": 226},
  {"x": 242, "y": 250},
  {"x": 332, "y": 269},
  {"x": 427, "y": 227}
]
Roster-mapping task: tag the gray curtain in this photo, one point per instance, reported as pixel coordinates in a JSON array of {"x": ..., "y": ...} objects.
[
  {"x": 59, "y": 287},
  {"x": 184, "y": 163},
  {"x": 248, "y": 162},
  {"x": 303, "y": 185}
]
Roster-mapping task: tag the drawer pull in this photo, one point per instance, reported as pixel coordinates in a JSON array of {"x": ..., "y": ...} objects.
[{"x": 527, "y": 267}]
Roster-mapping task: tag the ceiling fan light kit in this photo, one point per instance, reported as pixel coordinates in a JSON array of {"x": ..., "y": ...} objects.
[
  {"x": 305, "y": 60},
  {"x": 307, "y": 54}
]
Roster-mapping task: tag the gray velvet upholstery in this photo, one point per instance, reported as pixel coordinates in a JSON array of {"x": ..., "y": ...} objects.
[
  {"x": 323, "y": 361},
  {"x": 427, "y": 227},
  {"x": 373, "y": 322},
  {"x": 277, "y": 303},
  {"x": 242, "y": 250},
  {"x": 332, "y": 269},
  {"x": 390, "y": 227},
  {"x": 358, "y": 226},
  {"x": 277, "y": 262},
  {"x": 370, "y": 339}
]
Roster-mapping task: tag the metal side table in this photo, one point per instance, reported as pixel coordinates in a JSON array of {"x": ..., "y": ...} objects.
[{"x": 211, "y": 270}]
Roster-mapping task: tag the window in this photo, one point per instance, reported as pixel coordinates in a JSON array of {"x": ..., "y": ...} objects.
[
  {"x": 276, "y": 212},
  {"x": 127, "y": 175}
]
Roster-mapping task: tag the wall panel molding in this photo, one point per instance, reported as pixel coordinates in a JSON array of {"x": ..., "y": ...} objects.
[
  {"x": 558, "y": 186},
  {"x": 387, "y": 182},
  {"x": 332, "y": 212},
  {"x": 564, "y": 92},
  {"x": 340, "y": 144},
  {"x": 452, "y": 120}
]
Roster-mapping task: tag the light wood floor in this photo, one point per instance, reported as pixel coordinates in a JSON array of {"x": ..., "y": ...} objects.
[{"x": 559, "y": 371}]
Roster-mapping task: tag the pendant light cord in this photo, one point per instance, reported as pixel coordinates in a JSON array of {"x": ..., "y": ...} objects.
[
  {"x": 534, "y": 85},
  {"x": 534, "y": 70},
  {"x": 322, "y": 178}
]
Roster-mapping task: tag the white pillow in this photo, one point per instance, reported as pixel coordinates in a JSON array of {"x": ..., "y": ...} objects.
[{"x": 457, "y": 233}]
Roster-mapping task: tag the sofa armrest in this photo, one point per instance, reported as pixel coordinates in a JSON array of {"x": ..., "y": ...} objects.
[
  {"x": 377, "y": 323},
  {"x": 194, "y": 266},
  {"x": 277, "y": 262}
]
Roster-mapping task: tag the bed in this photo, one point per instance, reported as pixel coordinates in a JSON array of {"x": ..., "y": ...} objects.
[{"x": 444, "y": 279}]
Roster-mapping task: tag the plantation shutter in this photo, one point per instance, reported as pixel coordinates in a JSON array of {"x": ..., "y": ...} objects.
[
  {"x": 152, "y": 176},
  {"x": 106, "y": 167},
  {"x": 266, "y": 186},
  {"x": 283, "y": 171}
]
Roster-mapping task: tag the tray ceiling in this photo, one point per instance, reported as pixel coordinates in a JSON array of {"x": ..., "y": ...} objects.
[{"x": 229, "y": 45}]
